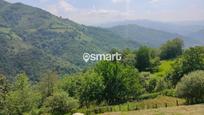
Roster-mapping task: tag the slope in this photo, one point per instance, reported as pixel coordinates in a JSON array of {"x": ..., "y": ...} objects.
[
  {"x": 44, "y": 42},
  {"x": 143, "y": 35}
]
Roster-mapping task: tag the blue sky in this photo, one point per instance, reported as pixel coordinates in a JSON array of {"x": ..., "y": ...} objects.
[{"x": 93, "y": 12}]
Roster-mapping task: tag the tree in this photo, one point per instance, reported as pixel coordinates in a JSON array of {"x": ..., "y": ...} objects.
[
  {"x": 128, "y": 57},
  {"x": 4, "y": 89},
  {"x": 59, "y": 104},
  {"x": 191, "y": 87},
  {"x": 73, "y": 84},
  {"x": 21, "y": 99},
  {"x": 92, "y": 91},
  {"x": 121, "y": 82},
  {"x": 151, "y": 85},
  {"x": 143, "y": 59},
  {"x": 171, "y": 49},
  {"x": 191, "y": 60},
  {"x": 147, "y": 59},
  {"x": 48, "y": 83}
]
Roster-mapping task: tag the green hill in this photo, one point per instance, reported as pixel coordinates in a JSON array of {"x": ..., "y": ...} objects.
[
  {"x": 143, "y": 35},
  {"x": 34, "y": 41}
]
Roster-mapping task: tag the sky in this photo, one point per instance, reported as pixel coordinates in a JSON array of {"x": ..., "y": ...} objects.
[{"x": 94, "y": 12}]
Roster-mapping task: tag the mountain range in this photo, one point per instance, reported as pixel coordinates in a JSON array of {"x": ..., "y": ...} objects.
[
  {"x": 190, "y": 31},
  {"x": 35, "y": 41}
]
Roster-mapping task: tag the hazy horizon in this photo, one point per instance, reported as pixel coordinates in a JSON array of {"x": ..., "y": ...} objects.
[{"x": 95, "y": 12}]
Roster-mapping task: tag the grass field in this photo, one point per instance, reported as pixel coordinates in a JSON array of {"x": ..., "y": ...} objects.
[
  {"x": 180, "y": 110},
  {"x": 158, "y": 102}
]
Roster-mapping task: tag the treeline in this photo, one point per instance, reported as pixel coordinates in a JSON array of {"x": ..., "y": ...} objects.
[{"x": 141, "y": 74}]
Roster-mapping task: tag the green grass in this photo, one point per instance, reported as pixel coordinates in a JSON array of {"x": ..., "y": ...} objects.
[
  {"x": 160, "y": 101},
  {"x": 164, "y": 68},
  {"x": 180, "y": 110}
]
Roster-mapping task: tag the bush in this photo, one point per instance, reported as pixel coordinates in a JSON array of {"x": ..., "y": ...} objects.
[
  {"x": 148, "y": 96},
  {"x": 60, "y": 103},
  {"x": 169, "y": 92},
  {"x": 191, "y": 87}
]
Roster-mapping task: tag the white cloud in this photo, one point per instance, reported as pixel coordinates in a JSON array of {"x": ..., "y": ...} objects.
[
  {"x": 66, "y": 5},
  {"x": 53, "y": 9},
  {"x": 61, "y": 8}
]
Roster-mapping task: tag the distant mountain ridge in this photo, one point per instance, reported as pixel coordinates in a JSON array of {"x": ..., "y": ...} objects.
[
  {"x": 182, "y": 28},
  {"x": 187, "y": 30},
  {"x": 143, "y": 35}
]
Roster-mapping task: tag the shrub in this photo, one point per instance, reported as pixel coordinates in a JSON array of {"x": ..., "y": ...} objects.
[
  {"x": 191, "y": 87},
  {"x": 169, "y": 92},
  {"x": 148, "y": 96},
  {"x": 60, "y": 103}
]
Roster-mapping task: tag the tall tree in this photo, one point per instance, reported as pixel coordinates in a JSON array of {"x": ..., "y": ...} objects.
[
  {"x": 93, "y": 88},
  {"x": 21, "y": 99},
  {"x": 4, "y": 89},
  {"x": 121, "y": 82},
  {"x": 48, "y": 83},
  {"x": 143, "y": 59},
  {"x": 171, "y": 49}
]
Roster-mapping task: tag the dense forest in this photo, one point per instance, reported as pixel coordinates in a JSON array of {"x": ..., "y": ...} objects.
[{"x": 143, "y": 73}]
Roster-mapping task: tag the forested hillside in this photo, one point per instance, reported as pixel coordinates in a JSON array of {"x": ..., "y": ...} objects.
[
  {"x": 145, "y": 78},
  {"x": 34, "y": 41},
  {"x": 143, "y": 35}
]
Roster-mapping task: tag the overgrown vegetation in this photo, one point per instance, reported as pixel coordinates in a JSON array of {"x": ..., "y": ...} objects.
[
  {"x": 191, "y": 87},
  {"x": 110, "y": 85},
  {"x": 42, "y": 50}
]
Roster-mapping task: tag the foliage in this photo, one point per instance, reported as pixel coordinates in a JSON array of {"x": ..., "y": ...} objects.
[
  {"x": 73, "y": 84},
  {"x": 171, "y": 49},
  {"x": 21, "y": 99},
  {"x": 191, "y": 60},
  {"x": 4, "y": 88},
  {"x": 121, "y": 82},
  {"x": 191, "y": 87},
  {"x": 138, "y": 34},
  {"x": 106, "y": 83},
  {"x": 158, "y": 102},
  {"x": 34, "y": 41},
  {"x": 59, "y": 103},
  {"x": 128, "y": 57},
  {"x": 93, "y": 89},
  {"x": 47, "y": 84},
  {"x": 143, "y": 59},
  {"x": 146, "y": 59}
]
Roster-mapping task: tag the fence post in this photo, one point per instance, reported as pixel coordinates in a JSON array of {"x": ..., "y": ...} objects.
[
  {"x": 136, "y": 107},
  {"x": 166, "y": 105},
  {"x": 119, "y": 108},
  {"x": 128, "y": 107},
  {"x": 177, "y": 104}
]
